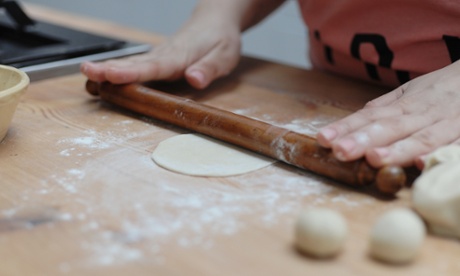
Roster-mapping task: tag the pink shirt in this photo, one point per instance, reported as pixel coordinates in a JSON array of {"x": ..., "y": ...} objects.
[{"x": 387, "y": 41}]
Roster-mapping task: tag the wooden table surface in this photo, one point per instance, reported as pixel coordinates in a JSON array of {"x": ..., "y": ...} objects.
[{"x": 79, "y": 194}]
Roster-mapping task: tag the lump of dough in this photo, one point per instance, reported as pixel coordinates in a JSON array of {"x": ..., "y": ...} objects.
[
  {"x": 320, "y": 232},
  {"x": 397, "y": 236},
  {"x": 436, "y": 197},
  {"x": 441, "y": 155},
  {"x": 199, "y": 155}
]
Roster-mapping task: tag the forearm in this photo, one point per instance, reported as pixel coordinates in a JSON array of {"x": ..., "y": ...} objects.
[{"x": 242, "y": 13}]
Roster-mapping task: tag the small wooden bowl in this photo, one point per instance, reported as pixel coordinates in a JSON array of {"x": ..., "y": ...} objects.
[{"x": 13, "y": 83}]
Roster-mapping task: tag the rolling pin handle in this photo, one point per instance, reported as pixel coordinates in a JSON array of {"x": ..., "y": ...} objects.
[
  {"x": 390, "y": 179},
  {"x": 92, "y": 88}
]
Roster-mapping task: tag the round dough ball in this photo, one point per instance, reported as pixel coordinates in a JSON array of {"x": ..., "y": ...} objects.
[
  {"x": 397, "y": 236},
  {"x": 436, "y": 197},
  {"x": 320, "y": 232},
  {"x": 444, "y": 154}
]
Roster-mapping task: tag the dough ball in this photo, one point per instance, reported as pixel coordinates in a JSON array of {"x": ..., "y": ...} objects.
[
  {"x": 441, "y": 155},
  {"x": 436, "y": 197},
  {"x": 397, "y": 236},
  {"x": 320, "y": 232}
]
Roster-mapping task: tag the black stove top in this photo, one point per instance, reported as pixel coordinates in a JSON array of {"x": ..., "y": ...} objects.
[{"x": 38, "y": 46}]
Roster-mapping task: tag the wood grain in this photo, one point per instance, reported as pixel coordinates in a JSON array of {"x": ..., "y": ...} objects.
[{"x": 80, "y": 196}]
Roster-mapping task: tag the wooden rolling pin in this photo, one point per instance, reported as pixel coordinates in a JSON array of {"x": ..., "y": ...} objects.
[{"x": 276, "y": 142}]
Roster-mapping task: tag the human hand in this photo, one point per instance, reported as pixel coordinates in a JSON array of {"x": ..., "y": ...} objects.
[
  {"x": 401, "y": 126},
  {"x": 204, "y": 50}
]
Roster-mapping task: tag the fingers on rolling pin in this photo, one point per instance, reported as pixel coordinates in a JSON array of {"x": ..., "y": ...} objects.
[{"x": 390, "y": 180}]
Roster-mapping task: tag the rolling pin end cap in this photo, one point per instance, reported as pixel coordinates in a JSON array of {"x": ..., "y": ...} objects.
[
  {"x": 92, "y": 88},
  {"x": 390, "y": 180}
]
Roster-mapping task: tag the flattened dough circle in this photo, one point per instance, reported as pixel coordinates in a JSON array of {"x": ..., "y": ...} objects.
[{"x": 198, "y": 155}]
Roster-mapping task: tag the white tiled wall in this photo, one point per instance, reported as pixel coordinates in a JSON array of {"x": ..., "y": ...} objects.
[{"x": 281, "y": 37}]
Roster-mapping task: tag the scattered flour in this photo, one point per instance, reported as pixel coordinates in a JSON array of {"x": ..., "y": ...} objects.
[
  {"x": 307, "y": 126},
  {"x": 68, "y": 181},
  {"x": 135, "y": 215}
]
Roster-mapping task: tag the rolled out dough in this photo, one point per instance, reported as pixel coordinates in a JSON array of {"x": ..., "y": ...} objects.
[{"x": 198, "y": 155}]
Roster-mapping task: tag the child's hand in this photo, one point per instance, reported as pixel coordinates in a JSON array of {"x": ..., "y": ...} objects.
[
  {"x": 403, "y": 125},
  {"x": 198, "y": 53}
]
